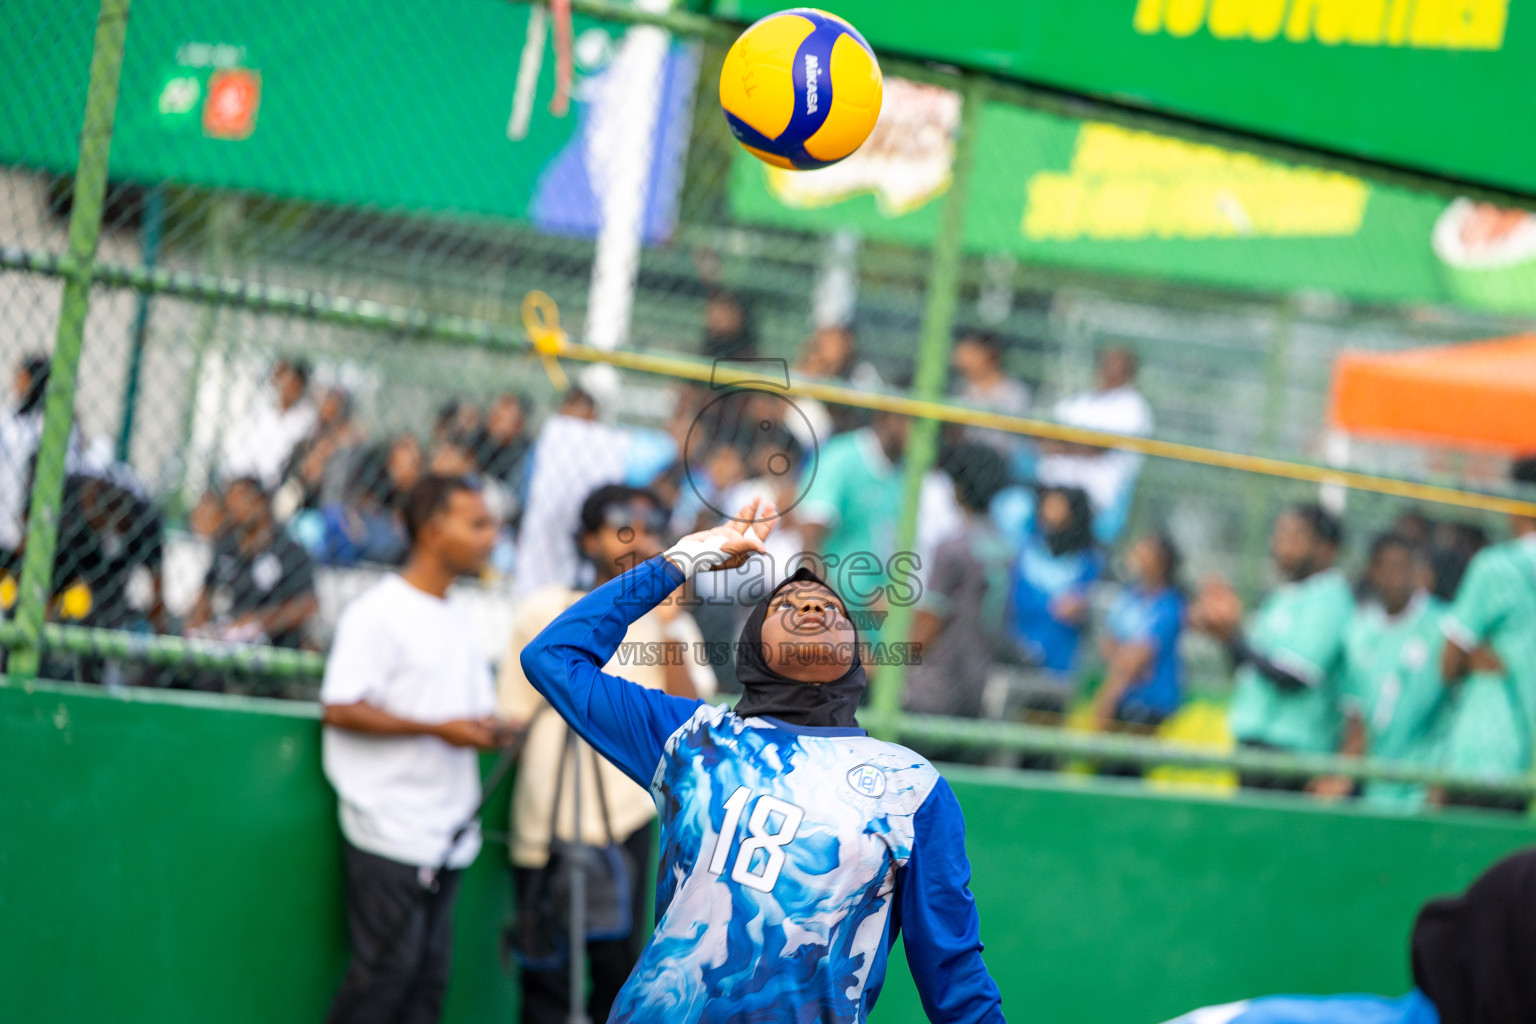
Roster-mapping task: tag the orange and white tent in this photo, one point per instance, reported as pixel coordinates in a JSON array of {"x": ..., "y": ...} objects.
[{"x": 1480, "y": 395}]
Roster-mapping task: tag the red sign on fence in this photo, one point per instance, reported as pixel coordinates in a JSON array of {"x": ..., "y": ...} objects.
[{"x": 229, "y": 112}]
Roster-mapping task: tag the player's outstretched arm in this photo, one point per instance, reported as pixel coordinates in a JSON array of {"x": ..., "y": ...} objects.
[
  {"x": 939, "y": 922},
  {"x": 625, "y": 722}
]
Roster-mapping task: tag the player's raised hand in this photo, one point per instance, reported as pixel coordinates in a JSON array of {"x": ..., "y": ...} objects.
[{"x": 729, "y": 544}]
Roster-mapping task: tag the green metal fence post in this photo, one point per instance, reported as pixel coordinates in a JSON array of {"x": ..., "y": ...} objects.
[
  {"x": 928, "y": 384},
  {"x": 58, "y": 415}
]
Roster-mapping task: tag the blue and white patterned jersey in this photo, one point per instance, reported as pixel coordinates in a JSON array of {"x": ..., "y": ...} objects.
[{"x": 791, "y": 856}]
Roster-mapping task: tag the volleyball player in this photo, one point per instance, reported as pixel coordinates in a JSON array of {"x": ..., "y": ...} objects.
[{"x": 794, "y": 847}]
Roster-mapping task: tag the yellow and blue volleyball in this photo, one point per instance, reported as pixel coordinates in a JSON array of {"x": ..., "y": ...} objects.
[{"x": 801, "y": 89}]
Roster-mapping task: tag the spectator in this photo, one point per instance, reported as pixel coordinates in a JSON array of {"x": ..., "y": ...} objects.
[
  {"x": 1394, "y": 704},
  {"x": 1144, "y": 675},
  {"x": 850, "y": 509},
  {"x": 407, "y": 703},
  {"x": 261, "y": 446},
  {"x": 725, "y": 475},
  {"x": 1108, "y": 476},
  {"x": 21, "y": 427},
  {"x": 730, "y": 329},
  {"x": 1416, "y": 528},
  {"x": 454, "y": 456},
  {"x": 207, "y": 520},
  {"x": 771, "y": 473},
  {"x": 261, "y": 585},
  {"x": 774, "y": 465},
  {"x": 961, "y": 620},
  {"x": 1290, "y": 660},
  {"x": 456, "y": 418},
  {"x": 1052, "y": 581},
  {"x": 574, "y": 454},
  {"x": 443, "y": 422},
  {"x": 107, "y": 567},
  {"x": 714, "y": 414},
  {"x": 365, "y": 527},
  {"x": 832, "y": 353},
  {"x": 130, "y": 533},
  {"x": 78, "y": 555},
  {"x": 978, "y": 357},
  {"x": 320, "y": 468},
  {"x": 1419, "y": 530},
  {"x": 469, "y": 420},
  {"x": 1455, "y": 545},
  {"x": 619, "y": 527},
  {"x": 404, "y": 467},
  {"x": 503, "y": 445},
  {"x": 1489, "y": 660},
  {"x": 578, "y": 405},
  {"x": 81, "y": 550}
]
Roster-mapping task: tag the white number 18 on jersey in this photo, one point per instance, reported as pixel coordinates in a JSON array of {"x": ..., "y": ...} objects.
[{"x": 758, "y": 838}]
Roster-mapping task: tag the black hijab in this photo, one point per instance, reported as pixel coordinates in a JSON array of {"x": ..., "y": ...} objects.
[
  {"x": 1474, "y": 955},
  {"x": 766, "y": 692},
  {"x": 1076, "y": 534}
]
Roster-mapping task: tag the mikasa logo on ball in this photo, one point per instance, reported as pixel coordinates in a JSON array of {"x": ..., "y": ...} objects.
[
  {"x": 812, "y": 72},
  {"x": 867, "y": 780}
]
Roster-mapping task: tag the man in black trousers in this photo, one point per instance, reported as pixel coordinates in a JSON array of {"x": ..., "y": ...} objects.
[{"x": 408, "y": 702}]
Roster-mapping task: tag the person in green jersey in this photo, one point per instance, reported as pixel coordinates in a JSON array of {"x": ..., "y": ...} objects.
[
  {"x": 1489, "y": 657},
  {"x": 1289, "y": 659},
  {"x": 1395, "y": 707}
]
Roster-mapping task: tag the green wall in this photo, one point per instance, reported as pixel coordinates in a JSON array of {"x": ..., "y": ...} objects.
[{"x": 170, "y": 858}]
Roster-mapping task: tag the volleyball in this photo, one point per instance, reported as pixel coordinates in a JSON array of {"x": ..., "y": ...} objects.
[{"x": 801, "y": 89}]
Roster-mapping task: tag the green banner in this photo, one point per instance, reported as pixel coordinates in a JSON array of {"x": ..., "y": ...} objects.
[
  {"x": 1105, "y": 198},
  {"x": 391, "y": 103},
  {"x": 1438, "y": 85}
]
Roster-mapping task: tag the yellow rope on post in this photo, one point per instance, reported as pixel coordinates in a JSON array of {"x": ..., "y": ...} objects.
[
  {"x": 541, "y": 319},
  {"x": 687, "y": 369}
]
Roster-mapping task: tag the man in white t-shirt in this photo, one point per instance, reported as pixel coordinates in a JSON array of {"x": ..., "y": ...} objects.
[
  {"x": 1106, "y": 475},
  {"x": 262, "y": 443},
  {"x": 409, "y": 701}
]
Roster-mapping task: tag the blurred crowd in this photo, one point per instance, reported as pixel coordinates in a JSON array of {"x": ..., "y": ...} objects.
[{"x": 1030, "y": 601}]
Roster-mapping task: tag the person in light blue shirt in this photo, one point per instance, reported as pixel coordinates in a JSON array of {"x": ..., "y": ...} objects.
[
  {"x": 1056, "y": 567},
  {"x": 795, "y": 848},
  {"x": 1144, "y": 677}
]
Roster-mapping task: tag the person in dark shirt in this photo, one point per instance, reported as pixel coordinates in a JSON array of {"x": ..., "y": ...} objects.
[
  {"x": 261, "y": 585},
  {"x": 128, "y": 533},
  {"x": 109, "y": 535},
  {"x": 961, "y": 618}
]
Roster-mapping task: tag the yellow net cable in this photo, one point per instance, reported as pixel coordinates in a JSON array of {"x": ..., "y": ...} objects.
[{"x": 541, "y": 320}]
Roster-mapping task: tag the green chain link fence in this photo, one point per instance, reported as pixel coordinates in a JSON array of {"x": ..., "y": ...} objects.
[{"x": 303, "y": 263}]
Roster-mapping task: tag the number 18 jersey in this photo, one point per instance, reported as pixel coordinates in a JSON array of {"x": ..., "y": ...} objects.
[
  {"x": 780, "y": 851},
  {"x": 791, "y": 856}
]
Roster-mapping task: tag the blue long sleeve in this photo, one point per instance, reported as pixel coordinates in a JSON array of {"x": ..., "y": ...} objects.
[
  {"x": 625, "y": 722},
  {"x": 941, "y": 929}
]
